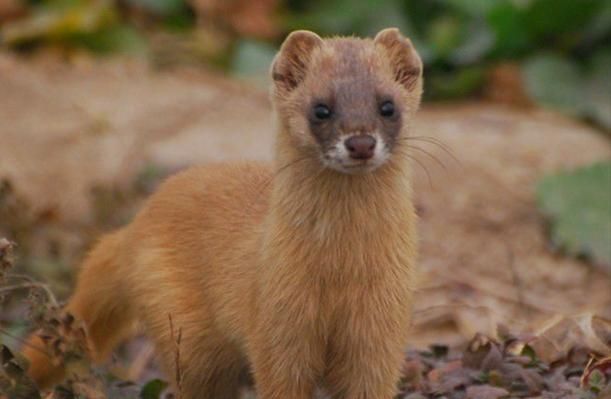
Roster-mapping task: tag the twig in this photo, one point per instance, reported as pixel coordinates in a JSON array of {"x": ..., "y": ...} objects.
[
  {"x": 31, "y": 284},
  {"x": 176, "y": 339},
  {"x": 517, "y": 281}
]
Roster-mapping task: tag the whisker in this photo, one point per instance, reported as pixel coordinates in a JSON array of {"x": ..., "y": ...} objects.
[
  {"x": 428, "y": 175},
  {"x": 432, "y": 140},
  {"x": 443, "y": 166}
]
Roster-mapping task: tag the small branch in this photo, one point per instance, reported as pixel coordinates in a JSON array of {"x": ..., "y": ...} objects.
[
  {"x": 176, "y": 339},
  {"x": 31, "y": 284},
  {"x": 517, "y": 282}
]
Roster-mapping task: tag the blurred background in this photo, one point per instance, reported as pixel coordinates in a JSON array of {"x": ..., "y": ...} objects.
[
  {"x": 551, "y": 52},
  {"x": 100, "y": 100}
]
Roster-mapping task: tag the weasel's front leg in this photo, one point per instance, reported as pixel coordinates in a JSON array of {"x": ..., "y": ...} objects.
[
  {"x": 287, "y": 351},
  {"x": 366, "y": 352}
]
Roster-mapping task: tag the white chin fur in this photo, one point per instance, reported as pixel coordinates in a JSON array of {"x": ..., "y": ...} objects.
[{"x": 338, "y": 158}]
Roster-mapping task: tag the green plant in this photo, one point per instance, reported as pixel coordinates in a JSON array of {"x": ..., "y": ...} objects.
[{"x": 578, "y": 205}]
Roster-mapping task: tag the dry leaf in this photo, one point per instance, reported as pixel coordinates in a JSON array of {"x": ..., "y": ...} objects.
[
  {"x": 559, "y": 334},
  {"x": 11, "y": 9},
  {"x": 486, "y": 392},
  {"x": 505, "y": 85},
  {"x": 603, "y": 366},
  {"x": 245, "y": 17}
]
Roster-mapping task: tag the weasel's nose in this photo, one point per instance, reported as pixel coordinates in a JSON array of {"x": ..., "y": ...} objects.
[{"x": 360, "y": 147}]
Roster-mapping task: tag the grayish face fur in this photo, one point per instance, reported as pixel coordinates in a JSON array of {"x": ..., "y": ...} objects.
[
  {"x": 359, "y": 126},
  {"x": 347, "y": 100}
]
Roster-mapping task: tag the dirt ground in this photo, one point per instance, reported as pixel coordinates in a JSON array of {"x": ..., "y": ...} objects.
[{"x": 65, "y": 127}]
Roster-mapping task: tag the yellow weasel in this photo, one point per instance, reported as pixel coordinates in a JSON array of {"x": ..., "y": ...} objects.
[{"x": 302, "y": 271}]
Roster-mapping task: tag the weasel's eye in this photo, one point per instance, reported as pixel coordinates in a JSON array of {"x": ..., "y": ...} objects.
[
  {"x": 321, "y": 111},
  {"x": 387, "y": 109}
]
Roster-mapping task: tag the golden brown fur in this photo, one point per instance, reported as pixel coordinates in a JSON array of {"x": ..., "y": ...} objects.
[{"x": 299, "y": 271}]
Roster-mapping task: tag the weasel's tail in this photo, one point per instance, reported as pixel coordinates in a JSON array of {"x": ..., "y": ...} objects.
[{"x": 99, "y": 302}]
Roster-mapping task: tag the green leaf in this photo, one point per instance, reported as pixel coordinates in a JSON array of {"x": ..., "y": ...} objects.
[
  {"x": 530, "y": 352},
  {"x": 391, "y": 14},
  {"x": 548, "y": 18},
  {"x": 598, "y": 89},
  {"x": 365, "y": 17},
  {"x": 599, "y": 25},
  {"x": 334, "y": 17},
  {"x": 507, "y": 22},
  {"x": 117, "y": 38},
  {"x": 439, "y": 351},
  {"x": 559, "y": 82},
  {"x": 477, "y": 40},
  {"x": 597, "y": 381},
  {"x": 153, "y": 389},
  {"x": 455, "y": 84},
  {"x": 59, "y": 22},
  {"x": 556, "y": 82},
  {"x": 578, "y": 205},
  {"x": 159, "y": 7},
  {"x": 387, "y": 13},
  {"x": 252, "y": 59},
  {"x": 445, "y": 34},
  {"x": 473, "y": 7}
]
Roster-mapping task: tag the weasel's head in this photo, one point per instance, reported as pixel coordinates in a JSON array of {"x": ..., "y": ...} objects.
[{"x": 347, "y": 101}]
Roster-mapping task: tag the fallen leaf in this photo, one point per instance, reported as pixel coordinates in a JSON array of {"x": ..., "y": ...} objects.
[
  {"x": 482, "y": 353},
  {"x": 245, "y": 17},
  {"x": 11, "y": 9},
  {"x": 486, "y": 392},
  {"x": 577, "y": 205},
  {"x": 602, "y": 366},
  {"x": 559, "y": 334}
]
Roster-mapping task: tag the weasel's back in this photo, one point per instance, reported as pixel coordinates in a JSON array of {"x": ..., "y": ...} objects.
[
  {"x": 230, "y": 195},
  {"x": 204, "y": 211}
]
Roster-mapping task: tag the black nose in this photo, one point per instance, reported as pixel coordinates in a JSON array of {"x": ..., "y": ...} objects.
[{"x": 360, "y": 147}]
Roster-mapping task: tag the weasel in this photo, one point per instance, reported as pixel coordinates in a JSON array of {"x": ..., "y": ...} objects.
[{"x": 303, "y": 271}]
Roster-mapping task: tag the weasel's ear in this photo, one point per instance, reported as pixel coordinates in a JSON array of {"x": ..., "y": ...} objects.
[
  {"x": 402, "y": 55},
  {"x": 290, "y": 65}
]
